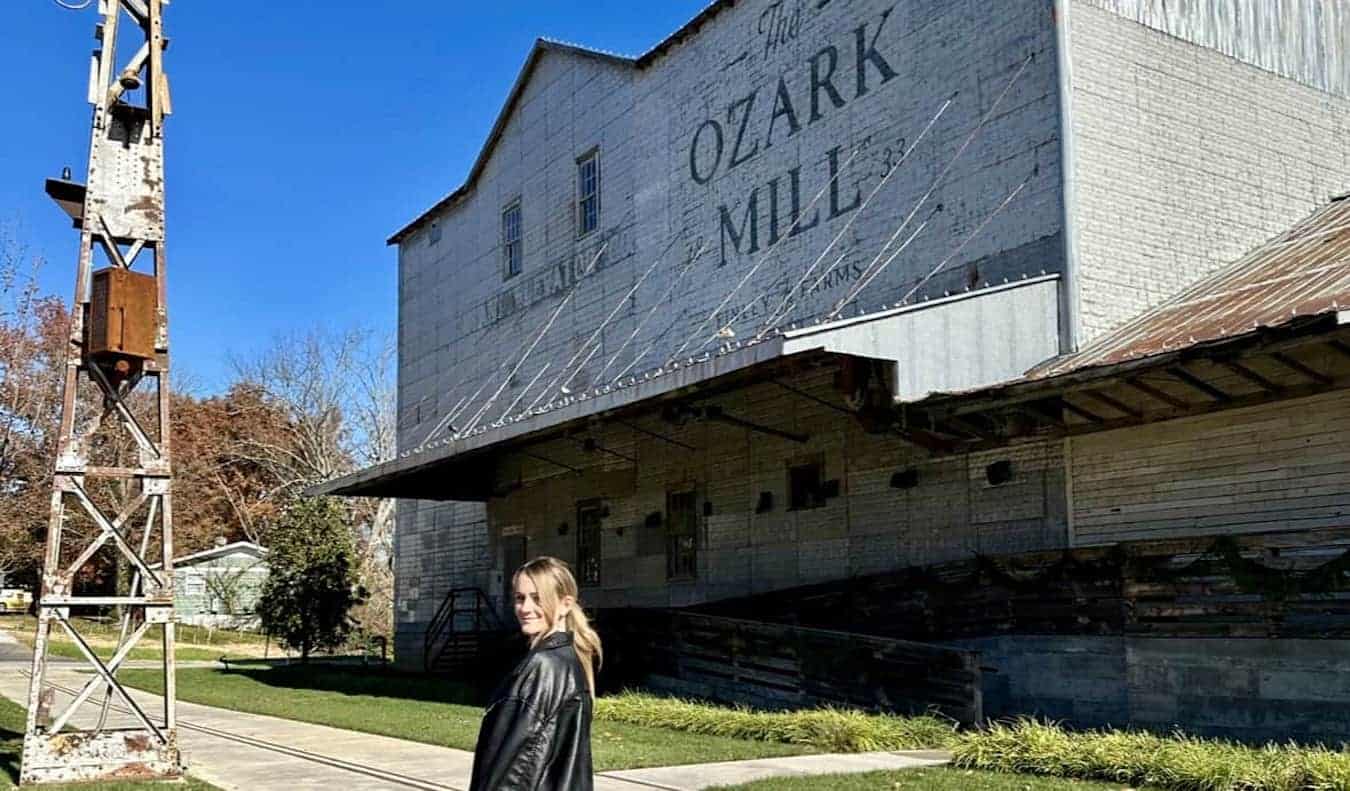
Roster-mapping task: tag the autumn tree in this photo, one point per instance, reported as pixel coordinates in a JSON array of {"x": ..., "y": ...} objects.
[
  {"x": 230, "y": 492},
  {"x": 33, "y": 334}
]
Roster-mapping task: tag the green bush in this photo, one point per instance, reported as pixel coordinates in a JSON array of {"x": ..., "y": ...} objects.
[
  {"x": 830, "y": 729},
  {"x": 1176, "y": 763}
]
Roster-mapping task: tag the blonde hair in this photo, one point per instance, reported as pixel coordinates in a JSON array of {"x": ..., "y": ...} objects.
[{"x": 553, "y": 581}]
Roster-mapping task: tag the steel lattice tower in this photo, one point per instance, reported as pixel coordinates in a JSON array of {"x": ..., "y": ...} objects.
[{"x": 118, "y": 352}]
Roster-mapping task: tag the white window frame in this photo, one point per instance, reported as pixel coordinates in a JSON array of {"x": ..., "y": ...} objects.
[
  {"x": 513, "y": 249},
  {"x": 591, "y": 156}
]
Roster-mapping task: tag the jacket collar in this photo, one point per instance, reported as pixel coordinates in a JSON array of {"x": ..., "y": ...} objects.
[{"x": 555, "y": 640}]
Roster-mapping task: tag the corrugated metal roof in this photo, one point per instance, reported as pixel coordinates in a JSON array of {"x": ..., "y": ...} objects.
[{"x": 1304, "y": 272}]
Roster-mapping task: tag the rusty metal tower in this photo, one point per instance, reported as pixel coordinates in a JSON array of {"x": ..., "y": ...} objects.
[{"x": 112, "y": 512}]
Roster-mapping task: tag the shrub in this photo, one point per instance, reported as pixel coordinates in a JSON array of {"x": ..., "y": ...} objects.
[
  {"x": 1177, "y": 762},
  {"x": 830, "y": 729},
  {"x": 1174, "y": 763}
]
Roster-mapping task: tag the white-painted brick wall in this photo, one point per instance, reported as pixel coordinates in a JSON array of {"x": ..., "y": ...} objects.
[{"x": 1185, "y": 160}]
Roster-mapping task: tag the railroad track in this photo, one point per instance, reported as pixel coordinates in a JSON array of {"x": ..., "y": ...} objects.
[{"x": 375, "y": 772}]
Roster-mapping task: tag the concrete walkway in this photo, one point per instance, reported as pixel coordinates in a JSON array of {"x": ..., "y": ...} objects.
[
  {"x": 11, "y": 650},
  {"x": 234, "y": 750}
]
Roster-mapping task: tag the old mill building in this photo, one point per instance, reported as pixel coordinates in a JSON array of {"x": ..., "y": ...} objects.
[{"x": 989, "y": 356}]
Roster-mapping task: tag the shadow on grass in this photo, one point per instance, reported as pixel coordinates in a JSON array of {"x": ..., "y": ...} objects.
[
  {"x": 11, "y": 749},
  {"x": 381, "y": 682}
]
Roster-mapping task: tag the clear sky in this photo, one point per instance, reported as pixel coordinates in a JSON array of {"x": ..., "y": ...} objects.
[{"x": 304, "y": 133}]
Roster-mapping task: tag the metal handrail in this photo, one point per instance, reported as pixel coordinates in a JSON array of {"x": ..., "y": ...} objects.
[{"x": 442, "y": 624}]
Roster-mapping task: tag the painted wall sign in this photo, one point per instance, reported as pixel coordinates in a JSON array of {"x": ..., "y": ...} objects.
[
  {"x": 841, "y": 69},
  {"x": 763, "y": 140}
]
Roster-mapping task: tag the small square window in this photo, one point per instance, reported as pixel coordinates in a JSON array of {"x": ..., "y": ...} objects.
[
  {"x": 588, "y": 193},
  {"x": 804, "y": 487},
  {"x": 433, "y": 234},
  {"x": 511, "y": 247}
]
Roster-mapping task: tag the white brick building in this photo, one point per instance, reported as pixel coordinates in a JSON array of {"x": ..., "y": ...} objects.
[{"x": 881, "y": 205}]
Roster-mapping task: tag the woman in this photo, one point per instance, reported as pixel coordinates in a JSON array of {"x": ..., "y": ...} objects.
[{"x": 537, "y": 730}]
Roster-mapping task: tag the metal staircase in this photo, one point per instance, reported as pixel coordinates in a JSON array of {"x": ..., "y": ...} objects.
[{"x": 467, "y": 637}]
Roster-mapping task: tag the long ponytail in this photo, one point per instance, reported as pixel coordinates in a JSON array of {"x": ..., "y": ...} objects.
[{"x": 587, "y": 644}]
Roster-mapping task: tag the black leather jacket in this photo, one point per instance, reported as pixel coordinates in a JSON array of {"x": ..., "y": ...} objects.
[{"x": 536, "y": 735}]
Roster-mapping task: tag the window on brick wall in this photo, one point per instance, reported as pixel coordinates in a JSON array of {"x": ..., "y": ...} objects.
[
  {"x": 512, "y": 253},
  {"x": 588, "y": 193},
  {"x": 588, "y": 542},
  {"x": 681, "y": 535},
  {"x": 804, "y": 487}
]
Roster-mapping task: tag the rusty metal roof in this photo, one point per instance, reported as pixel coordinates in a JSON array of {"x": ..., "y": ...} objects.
[{"x": 1303, "y": 272}]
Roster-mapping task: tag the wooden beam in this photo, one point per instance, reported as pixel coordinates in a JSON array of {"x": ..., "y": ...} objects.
[
  {"x": 818, "y": 400},
  {"x": 1339, "y": 346},
  {"x": 655, "y": 435},
  {"x": 1182, "y": 375},
  {"x": 1046, "y": 412},
  {"x": 547, "y": 460},
  {"x": 1250, "y": 375},
  {"x": 590, "y": 444},
  {"x": 1210, "y": 407},
  {"x": 1119, "y": 406},
  {"x": 1096, "y": 377},
  {"x": 1156, "y": 394},
  {"x": 926, "y": 440},
  {"x": 1039, "y": 413},
  {"x": 1090, "y": 417},
  {"x": 1300, "y": 368},
  {"x": 715, "y": 413},
  {"x": 969, "y": 427}
]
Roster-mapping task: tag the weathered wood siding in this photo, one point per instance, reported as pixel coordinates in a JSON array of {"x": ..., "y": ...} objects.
[
  {"x": 1288, "y": 584},
  {"x": 1282, "y": 466},
  {"x": 778, "y": 666},
  {"x": 1245, "y": 636}
]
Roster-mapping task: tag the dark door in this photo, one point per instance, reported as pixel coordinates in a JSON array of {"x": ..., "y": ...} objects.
[
  {"x": 681, "y": 535},
  {"x": 588, "y": 542}
]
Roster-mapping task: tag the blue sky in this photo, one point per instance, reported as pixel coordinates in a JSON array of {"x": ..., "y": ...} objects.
[{"x": 304, "y": 133}]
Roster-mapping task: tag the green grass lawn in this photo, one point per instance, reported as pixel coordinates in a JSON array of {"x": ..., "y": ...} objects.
[
  {"x": 426, "y": 710},
  {"x": 925, "y": 780},
  {"x": 11, "y": 749}
]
